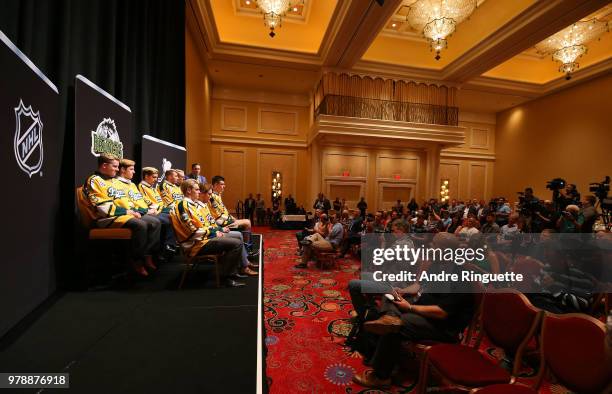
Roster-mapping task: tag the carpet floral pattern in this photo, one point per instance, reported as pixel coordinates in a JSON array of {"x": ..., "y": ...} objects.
[{"x": 306, "y": 315}]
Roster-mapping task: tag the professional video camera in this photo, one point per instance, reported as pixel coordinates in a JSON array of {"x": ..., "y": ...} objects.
[
  {"x": 600, "y": 190},
  {"x": 556, "y": 184},
  {"x": 529, "y": 207}
]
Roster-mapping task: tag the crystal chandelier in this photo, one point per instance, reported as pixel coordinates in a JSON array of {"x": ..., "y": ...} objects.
[
  {"x": 568, "y": 45},
  {"x": 438, "y": 19},
  {"x": 273, "y": 11}
]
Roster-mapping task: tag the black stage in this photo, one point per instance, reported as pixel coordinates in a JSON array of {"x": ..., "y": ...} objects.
[{"x": 150, "y": 338}]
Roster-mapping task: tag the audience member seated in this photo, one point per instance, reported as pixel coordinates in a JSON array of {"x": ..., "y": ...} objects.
[
  {"x": 490, "y": 227},
  {"x": 320, "y": 226},
  {"x": 431, "y": 316},
  {"x": 511, "y": 228},
  {"x": 318, "y": 243},
  {"x": 198, "y": 233},
  {"x": 467, "y": 229},
  {"x": 503, "y": 212},
  {"x": 154, "y": 201},
  {"x": 354, "y": 231},
  {"x": 110, "y": 204}
]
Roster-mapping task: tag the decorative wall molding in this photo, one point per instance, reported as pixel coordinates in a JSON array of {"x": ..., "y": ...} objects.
[
  {"x": 244, "y": 166},
  {"x": 387, "y": 129},
  {"x": 328, "y": 153},
  {"x": 457, "y": 164},
  {"x": 293, "y": 154},
  {"x": 475, "y": 131},
  {"x": 467, "y": 155},
  {"x": 471, "y": 180},
  {"x": 235, "y": 108},
  {"x": 262, "y": 97},
  {"x": 331, "y": 182},
  {"x": 262, "y": 128},
  {"x": 379, "y": 177},
  {"x": 477, "y": 117},
  {"x": 230, "y": 139},
  {"x": 385, "y": 184}
]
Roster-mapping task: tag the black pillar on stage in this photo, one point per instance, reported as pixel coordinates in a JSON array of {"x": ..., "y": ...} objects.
[{"x": 31, "y": 150}]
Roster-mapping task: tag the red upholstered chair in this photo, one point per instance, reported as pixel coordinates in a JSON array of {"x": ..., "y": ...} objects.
[
  {"x": 509, "y": 321},
  {"x": 573, "y": 351}
]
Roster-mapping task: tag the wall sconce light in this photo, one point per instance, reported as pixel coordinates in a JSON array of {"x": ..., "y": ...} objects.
[
  {"x": 277, "y": 186},
  {"x": 444, "y": 190}
]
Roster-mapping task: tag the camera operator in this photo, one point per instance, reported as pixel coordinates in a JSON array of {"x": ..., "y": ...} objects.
[
  {"x": 547, "y": 216},
  {"x": 532, "y": 211},
  {"x": 571, "y": 220},
  {"x": 589, "y": 213},
  {"x": 568, "y": 196}
]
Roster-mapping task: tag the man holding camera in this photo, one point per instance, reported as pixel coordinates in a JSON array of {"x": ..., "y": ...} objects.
[{"x": 571, "y": 220}]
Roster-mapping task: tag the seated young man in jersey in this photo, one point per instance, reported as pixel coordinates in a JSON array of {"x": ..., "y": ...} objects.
[
  {"x": 169, "y": 191},
  {"x": 220, "y": 212},
  {"x": 153, "y": 199},
  {"x": 246, "y": 267},
  {"x": 112, "y": 208},
  {"x": 198, "y": 233},
  {"x": 180, "y": 177}
]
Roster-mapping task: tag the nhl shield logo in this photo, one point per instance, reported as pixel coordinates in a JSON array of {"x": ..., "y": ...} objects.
[{"x": 28, "y": 143}]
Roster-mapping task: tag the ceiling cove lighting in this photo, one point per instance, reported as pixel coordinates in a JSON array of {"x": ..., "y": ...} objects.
[
  {"x": 568, "y": 45},
  {"x": 274, "y": 10},
  {"x": 438, "y": 19}
]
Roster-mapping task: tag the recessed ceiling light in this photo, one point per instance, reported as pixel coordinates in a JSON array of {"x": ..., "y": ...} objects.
[
  {"x": 248, "y": 2},
  {"x": 295, "y": 9},
  {"x": 393, "y": 25}
]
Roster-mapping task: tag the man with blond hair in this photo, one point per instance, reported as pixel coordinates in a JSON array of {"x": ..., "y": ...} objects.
[
  {"x": 154, "y": 201},
  {"x": 198, "y": 233}
]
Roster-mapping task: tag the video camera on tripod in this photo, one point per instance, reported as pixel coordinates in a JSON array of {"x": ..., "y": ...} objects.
[
  {"x": 528, "y": 206},
  {"x": 600, "y": 190}
]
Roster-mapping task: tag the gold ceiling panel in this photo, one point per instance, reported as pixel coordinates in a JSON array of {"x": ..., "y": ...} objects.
[
  {"x": 530, "y": 66},
  {"x": 303, "y": 28},
  {"x": 401, "y": 45}
]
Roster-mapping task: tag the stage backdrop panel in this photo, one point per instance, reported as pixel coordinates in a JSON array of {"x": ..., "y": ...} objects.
[
  {"x": 31, "y": 152},
  {"x": 102, "y": 124},
  {"x": 162, "y": 155}
]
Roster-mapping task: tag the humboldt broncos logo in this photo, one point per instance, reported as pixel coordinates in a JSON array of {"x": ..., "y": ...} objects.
[
  {"x": 28, "y": 143},
  {"x": 106, "y": 139}
]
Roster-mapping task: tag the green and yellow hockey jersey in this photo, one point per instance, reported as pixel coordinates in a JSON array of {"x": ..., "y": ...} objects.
[
  {"x": 193, "y": 225},
  {"x": 106, "y": 197},
  {"x": 133, "y": 199},
  {"x": 170, "y": 194},
  {"x": 152, "y": 197},
  {"x": 219, "y": 211}
]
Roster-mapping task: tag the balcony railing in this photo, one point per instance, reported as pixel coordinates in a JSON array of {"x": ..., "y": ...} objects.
[{"x": 357, "y": 107}]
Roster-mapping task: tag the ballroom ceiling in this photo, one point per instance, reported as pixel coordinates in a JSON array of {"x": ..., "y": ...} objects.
[{"x": 490, "y": 57}]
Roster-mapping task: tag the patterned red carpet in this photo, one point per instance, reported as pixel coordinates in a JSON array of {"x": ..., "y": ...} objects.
[{"x": 306, "y": 314}]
